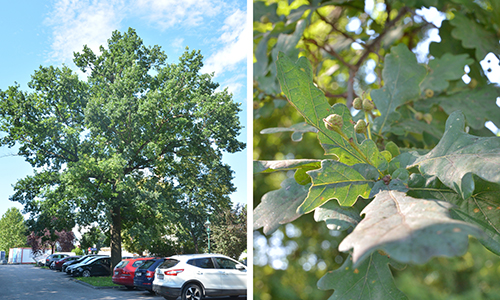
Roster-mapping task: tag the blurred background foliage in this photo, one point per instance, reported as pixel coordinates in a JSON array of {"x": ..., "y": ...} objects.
[{"x": 346, "y": 42}]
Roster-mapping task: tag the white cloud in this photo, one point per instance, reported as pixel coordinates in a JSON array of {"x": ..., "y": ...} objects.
[
  {"x": 178, "y": 44},
  {"x": 82, "y": 22},
  {"x": 169, "y": 13},
  {"x": 235, "y": 40},
  {"x": 90, "y": 22},
  {"x": 235, "y": 85}
]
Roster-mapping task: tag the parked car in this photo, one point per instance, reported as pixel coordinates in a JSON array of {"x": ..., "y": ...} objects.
[
  {"x": 54, "y": 257},
  {"x": 124, "y": 271},
  {"x": 40, "y": 260},
  {"x": 70, "y": 269},
  {"x": 69, "y": 263},
  {"x": 97, "y": 266},
  {"x": 145, "y": 274},
  {"x": 57, "y": 265},
  {"x": 199, "y": 275}
]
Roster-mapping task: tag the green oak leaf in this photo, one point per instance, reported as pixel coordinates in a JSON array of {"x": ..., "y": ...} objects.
[
  {"x": 268, "y": 166},
  {"x": 409, "y": 230},
  {"x": 474, "y": 36},
  {"x": 402, "y": 77},
  {"x": 280, "y": 206},
  {"x": 404, "y": 126},
  {"x": 481, "y": 209},
  {"x": 395, "y": 185},
  {"x": 478, "y": 105},
  {"x": 458, "y": 155},
  {"x": 371, "y": 280},
  {"x": 403, "y": 160},
  {"x": 297, "y": 129},
  {"x": 448, "y": 43},
  {"x": 446, "y": 68},
  {"x": 338, "y": 181},
  {"x": 338, "y": 217},
  {"x": 297, "y": 84}
]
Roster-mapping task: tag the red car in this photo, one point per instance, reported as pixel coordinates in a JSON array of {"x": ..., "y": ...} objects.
[
  {"x": 125, "y": 270},
  {"x": 58, "y": 263}
]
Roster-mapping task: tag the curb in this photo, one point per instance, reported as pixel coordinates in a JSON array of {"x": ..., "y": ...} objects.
[{"x": 94, "y": 287}]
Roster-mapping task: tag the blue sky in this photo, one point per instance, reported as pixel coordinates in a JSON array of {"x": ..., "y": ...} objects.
[{"x": 47, "y": 33}]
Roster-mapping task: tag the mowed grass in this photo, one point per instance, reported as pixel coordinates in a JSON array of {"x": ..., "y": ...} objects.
[{"x": 98, "y": 281}]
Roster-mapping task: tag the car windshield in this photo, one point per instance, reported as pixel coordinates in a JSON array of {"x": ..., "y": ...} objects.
[
  {"x": 138, "y": 263},
  {"x": 90, "y": 259},
  {"x": 147, "y": 264},
  {"x": 168, "y": 263},
  {"x": 122, "y": 264}
]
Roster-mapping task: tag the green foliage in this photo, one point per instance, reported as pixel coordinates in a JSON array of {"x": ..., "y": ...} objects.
[
  {"x": 229, "y": 235},
  {"x": 127, "y": 144},
  {"x": 13, "y": 231},
  {"x": 77, "y": 251},
  {"x": 420, "y": 179}
]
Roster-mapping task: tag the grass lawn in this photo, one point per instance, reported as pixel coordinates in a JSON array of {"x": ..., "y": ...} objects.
[{"x": 98, "y": 281}]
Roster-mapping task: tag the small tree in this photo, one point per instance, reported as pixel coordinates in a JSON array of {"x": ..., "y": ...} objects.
[
  {"x": 12, "y": 230},
  {"x": 229, "y": 234}
]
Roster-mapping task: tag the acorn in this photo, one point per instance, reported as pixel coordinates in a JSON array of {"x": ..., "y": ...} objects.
[
  {"x": 419, "y": 116},
  {"x": 333, "y": 122},
  {"x": 473, "y": 83},
  {"x": 360, "y": 127},
  {"x": 264, "y": 19},
  {"x": 428, "y": 118},
  {"x": 368, "y": 105},
  {"x": 429, "y": 93},
  {"x": 357, "y": 103}
]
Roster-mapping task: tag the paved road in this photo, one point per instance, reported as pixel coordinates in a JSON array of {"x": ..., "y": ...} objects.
[{"x": 22, "y": 282}]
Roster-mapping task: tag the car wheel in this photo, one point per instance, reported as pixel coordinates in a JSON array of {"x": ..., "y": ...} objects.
[
  {"x": 86, "y": 273},
  {"x": 192, "y": 292}
]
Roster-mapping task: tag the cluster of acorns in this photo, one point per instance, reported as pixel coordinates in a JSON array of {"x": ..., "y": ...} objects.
[{"x": 334, "y": 121}]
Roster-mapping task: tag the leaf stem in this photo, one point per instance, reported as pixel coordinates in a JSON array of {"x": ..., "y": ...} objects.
[
  {"x": 368, "y": 130},
  {"x": 355, "y": 146}
]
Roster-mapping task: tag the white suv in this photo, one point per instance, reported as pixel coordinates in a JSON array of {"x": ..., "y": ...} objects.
[{"x": 198, "y": 275}]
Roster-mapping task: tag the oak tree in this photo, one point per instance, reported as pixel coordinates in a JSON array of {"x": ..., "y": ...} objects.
[{"x": 108, "y": 146}]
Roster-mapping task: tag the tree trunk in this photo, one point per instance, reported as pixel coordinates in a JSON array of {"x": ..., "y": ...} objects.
[
  {"x": 195, "y": 242},
  {"x": 116, "y": 236}
]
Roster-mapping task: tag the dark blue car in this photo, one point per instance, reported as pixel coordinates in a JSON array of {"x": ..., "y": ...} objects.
[{"x": 145, "y": 274}]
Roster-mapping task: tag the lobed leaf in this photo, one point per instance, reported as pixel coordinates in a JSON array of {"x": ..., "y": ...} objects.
[
  {"x": 478, "y": 105},
  {"x": 338, "y": 181},
  {"x": 402, "y": 77},
  {"x": 371, "y": 280},
  {"x": 409, "y": 230},
  {"x": 262, "y": 166},
  {"x": 297, "y": 129},
  {"x": 280, "y": 206},
  {"x": 297, "y": 84},
  {"x": 474, "y": 36},
  {"x": 458, "y": 155},
  {"x": 481, "y": 209},
  {"x": 338, "y": 217},
  {"x": 446, "y": 68}
]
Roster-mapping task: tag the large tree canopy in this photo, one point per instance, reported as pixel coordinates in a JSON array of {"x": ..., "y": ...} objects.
[{"x": 109, "y": 146}]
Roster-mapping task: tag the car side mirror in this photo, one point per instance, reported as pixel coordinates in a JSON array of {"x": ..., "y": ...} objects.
[{"x": 240, "y": 267}]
